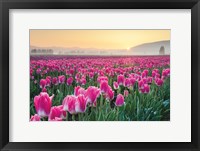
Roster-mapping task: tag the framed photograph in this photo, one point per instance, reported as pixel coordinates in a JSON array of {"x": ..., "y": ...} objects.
[
  {"x": 80, "y": 75},
  {"x": 111, "y": 83}
]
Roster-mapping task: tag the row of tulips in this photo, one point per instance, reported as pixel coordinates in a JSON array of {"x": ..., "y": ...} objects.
[
  {"x": 89, "y": 91},
  {"x": 72, "y": 104}
]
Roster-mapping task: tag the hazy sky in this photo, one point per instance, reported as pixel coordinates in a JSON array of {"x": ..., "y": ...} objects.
[{"x": 103, "y": 39}]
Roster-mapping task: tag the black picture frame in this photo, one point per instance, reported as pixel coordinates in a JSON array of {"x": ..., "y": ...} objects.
[{"x": 5, "y": 5}]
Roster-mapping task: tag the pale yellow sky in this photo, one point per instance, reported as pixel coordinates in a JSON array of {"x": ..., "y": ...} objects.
[{"x": 102, "y": 39}]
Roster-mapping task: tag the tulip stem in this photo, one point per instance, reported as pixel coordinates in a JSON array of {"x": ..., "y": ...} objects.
[
  {"x": 66, "y": 90},
  {"x": 118, "y": 90},
  {"x": 73, "y": 117},
  {"x": 67, "y": 119},
  {"x": 117, "y": 113},
  {"x": 101, "y": 102},
  {"x": 80, "y": 116}
]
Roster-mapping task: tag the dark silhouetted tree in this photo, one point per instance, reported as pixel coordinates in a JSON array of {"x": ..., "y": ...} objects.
[{"x": 162, "y": 50}]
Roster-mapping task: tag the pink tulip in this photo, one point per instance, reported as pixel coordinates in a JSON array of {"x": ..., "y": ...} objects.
[
  {"x": 144, "y": 80},
  {"x": 44, "y": 72},
  {"x": 48, "y": 82},
  {"x": 120, "y": 79},
  {"x": 92, "y": 93},
  {"x": 102, "y": 78},
  {"x": 119, "y": 100},
  {"x": 42, "y": 104},
  {"x": 57, "y": 119},
  {"x": 69, "y": 103},
  {"x": 104, "y": 86},
  {"x": 155, "y": 73},
  {"x": 81, "y": 104},
  {"x": 159, "y": 82},
  {"x": 132, "y": 80},
  {"x": 78, "y": 80},
  {"x": 149, "y": 79},
  {"x": 110, "y": 94},
  {"x": 48, "y": 77},
  {"x": 43, "y": 83},
  {"x": 83, "y": 81},
  {"x": 79, "y": 90},
  {"x": 38, "y": 71},
  {"x": 100, "y": 73},
  {"x": 146, "y": 89},
  {"x": 35, "y": 118},
  {"x": 44, "y": 90},
  {"x": 127, "y": 82},
  {"x": 69, "y": 81},
  {"x": 126, "y": 93},
  {"x": 55, "y": 81},
  {"x": 166, "y": 73},
  {"x": 57, "y": 112},
  {"x": 141, "y": 84},
  {"x": 155, "y": 70},
  {"x": 70, "y": 72},
  {"x": 77, "y": 76},
  {"x": 91, "y": 75},
  {"x": 145, "y": 73},
  {"x": 139, "y": 78},
  {"x": 31, "y": 72},
  {"x": 61, "y": 79},
  {"x": 115, "y": 85}
]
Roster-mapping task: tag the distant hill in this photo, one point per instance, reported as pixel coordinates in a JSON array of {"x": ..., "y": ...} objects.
[{"x": 151, "y": 48}]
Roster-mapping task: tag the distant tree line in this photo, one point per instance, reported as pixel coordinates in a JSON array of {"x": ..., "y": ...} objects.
[{"x": 49, "y": 51}]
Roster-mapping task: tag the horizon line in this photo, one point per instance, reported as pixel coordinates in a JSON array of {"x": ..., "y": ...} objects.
[{"x": 97, "y": 48}]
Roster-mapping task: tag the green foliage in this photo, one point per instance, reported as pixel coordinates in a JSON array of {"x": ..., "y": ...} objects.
[{"x": 154, "y": 106}]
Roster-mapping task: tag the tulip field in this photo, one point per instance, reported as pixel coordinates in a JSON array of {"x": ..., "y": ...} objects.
[{"x": 99, "y": 88}]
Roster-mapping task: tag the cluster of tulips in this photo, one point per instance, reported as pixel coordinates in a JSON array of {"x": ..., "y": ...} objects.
[{"x": 99, "y": 88}]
